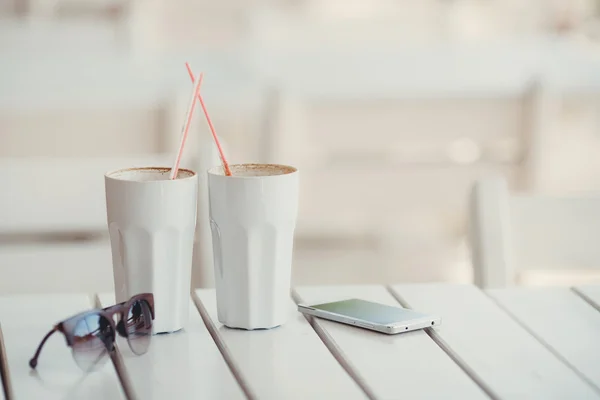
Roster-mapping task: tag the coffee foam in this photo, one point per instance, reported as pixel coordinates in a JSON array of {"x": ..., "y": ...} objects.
[
  {"x": 148, "y": 174},
  {"x": 253, "y": 170}
]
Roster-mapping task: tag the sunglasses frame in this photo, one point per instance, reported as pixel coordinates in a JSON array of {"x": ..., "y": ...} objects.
[{"x": 67, "y": 326}]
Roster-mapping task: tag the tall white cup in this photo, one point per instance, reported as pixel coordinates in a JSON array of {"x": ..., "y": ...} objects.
[
  {"x": 253, "y": 218},
  {"x": 151, "y": 220}
]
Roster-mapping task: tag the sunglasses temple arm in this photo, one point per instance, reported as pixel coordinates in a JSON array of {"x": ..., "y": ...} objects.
[{"x": 33, "y": 362}]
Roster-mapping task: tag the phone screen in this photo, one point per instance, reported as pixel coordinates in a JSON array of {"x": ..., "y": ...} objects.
[{"x": 368, "y": 311}]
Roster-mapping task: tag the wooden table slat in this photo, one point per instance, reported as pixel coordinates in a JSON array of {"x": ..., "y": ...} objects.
[
  {"x": 25, "y": 320},
  {"x": 406, "y": 365},
  {"x": 563, "y": 321},
  {"x": 287, "y": 362},
  {"x": 503, "y": 354},
  {"x": 181, "y": 365}
]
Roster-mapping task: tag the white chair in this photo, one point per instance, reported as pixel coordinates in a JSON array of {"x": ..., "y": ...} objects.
[
  {"x": 394, "y": 163},
  {"x": 527, "y": 239}
]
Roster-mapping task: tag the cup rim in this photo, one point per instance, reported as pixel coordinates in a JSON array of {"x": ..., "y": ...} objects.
[
  {"x": 292, "y": 170},
  {"x": 108, "y": 175}
]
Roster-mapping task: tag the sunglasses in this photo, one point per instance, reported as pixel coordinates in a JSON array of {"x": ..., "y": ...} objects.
[{"x": 91, "y": 334}]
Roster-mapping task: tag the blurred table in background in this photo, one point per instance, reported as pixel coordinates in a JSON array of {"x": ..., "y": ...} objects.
[{"x": 388, "y": 135}]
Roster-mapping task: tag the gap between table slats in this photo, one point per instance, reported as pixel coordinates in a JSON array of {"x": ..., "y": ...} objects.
[
  {"x": 390, "y": 365},
  {"x": 4, "y": 372},
  {"x": 589, "y": 297},
  {"x": 335, "y": 350},
  {"x": 212, "y": 329},
  {"x": 117, "y": 361},
  {"x": 446, "y": 348},
  {"x": 543, "y": 330},
  {"x": 57, "y": 376},
  {"x": 504, "y": 355},
  {"x": 286, "y": 362}
]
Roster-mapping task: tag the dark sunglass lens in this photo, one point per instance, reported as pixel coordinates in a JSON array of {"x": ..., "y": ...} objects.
[
  {"x": 139, "y": 326},
  {"x": 93, "y": 338}
]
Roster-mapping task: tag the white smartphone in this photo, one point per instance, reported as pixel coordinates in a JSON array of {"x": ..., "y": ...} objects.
[{"x": 373, "y": 316}]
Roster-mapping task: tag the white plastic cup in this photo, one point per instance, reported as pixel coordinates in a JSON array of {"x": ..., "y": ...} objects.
[
  {"x": 253, "y": 218},
  {"x": 151, "y": 221}
]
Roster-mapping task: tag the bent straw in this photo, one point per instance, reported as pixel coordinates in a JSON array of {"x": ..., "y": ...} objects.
[
  {"x": 186, "y": 126},
  {"x": 210, "y": 125}
]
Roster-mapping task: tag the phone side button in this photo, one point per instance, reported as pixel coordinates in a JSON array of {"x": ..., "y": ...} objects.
[{"x": 365, "y": 325}]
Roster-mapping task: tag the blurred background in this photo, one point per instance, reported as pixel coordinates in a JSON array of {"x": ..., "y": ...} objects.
[{"x": 392, "y": 109}]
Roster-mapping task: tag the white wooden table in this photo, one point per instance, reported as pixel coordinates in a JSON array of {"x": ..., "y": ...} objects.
[{"x": 526, "y": 343}]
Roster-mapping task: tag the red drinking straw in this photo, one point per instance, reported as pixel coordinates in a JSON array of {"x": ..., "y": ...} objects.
[{"x": 186, "y": 127}]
